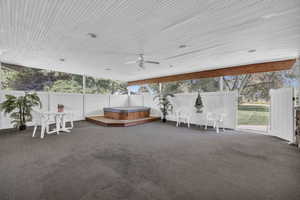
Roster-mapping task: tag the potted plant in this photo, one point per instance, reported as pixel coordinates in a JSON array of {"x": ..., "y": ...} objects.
[
  {"x": 60, "y": 108},
  {"x": 199, "y": 104},
  {"x": 165, "y": 104},
  {"x": 20, "y": 108}
]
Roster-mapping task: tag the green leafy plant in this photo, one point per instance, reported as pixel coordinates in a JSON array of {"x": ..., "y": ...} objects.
[
  {"x": 164, "y": 103},
  {"x": 20, "y": 108}
]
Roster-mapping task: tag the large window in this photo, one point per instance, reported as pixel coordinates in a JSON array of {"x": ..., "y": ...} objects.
[
  {"x": 23, "y": 78},
  {"x": 152, "y": 88},
  {"x": 64, "y": 82},
  {"x": 189, "y": 86},
  {"x": 204, "y": 85},
  {"x": 30, "y": 79},
  {"x": 105, "y": 86}
]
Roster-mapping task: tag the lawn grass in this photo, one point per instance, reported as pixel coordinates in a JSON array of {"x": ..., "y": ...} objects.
[{"x": 253, "y": 115}]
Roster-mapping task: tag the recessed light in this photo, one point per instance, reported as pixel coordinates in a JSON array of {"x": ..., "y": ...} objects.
[
  {"x": 252, "y": 50},
  {"x": 182, "y": 46},
  {"x": 62, "y": 59},
  {"x": 92, "y": 35}
]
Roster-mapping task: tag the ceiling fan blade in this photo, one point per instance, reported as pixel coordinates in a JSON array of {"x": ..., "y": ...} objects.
[
  {"x": 152, "y": 62},
  {"x": 130, "y": 62}
]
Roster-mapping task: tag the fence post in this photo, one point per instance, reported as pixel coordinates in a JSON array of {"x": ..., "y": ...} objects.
[
  {"x": 83, "y": 94},
  {"x": 0, "y": 92},
  {"x": 0, "y": 76},
  {"x": 221, "y": 83}
]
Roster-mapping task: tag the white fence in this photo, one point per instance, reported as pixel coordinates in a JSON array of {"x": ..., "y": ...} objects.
[
  {"x": 282, "y": 114},
  {"x": 218, "y": 102},
  {"x": 81, "y": 105},
  {"x": 92, "y": 104}
]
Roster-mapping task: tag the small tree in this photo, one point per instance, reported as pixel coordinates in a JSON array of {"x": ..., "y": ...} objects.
[
  {"x": 20, "y": 108},
  {"x": 165, "y": 104}
]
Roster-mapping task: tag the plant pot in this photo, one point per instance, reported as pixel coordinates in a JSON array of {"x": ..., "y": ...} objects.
[
  {"x": 22, "y": 127},
  {"x": 60, "y": 108},
  {"x": 164, "y": 120}
]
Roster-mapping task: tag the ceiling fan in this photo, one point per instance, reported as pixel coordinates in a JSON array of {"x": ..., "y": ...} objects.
[{"x": 140, "y": 61}]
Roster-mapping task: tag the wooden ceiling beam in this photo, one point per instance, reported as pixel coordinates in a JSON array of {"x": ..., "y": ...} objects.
[{"x": 229, "y": 71}]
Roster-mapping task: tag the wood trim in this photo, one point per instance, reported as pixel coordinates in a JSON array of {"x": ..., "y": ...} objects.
[
  {"x": 127, "y": 115},
  {"x": 229, "y": 71},
  {"x": 118, "y": 123}
]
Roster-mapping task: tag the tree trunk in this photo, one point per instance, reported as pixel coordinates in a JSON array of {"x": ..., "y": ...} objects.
[{"x": 22, "y": 125}]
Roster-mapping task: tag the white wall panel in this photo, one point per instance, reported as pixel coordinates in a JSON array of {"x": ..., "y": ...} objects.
[
  {"x": 118, "y": 100},
  {"x": 71, "y": 102},
  {"x": 222, "y": 102},
  {"x": 136, "y": 100},
  {"x": 185, "y": 102},
  {"x": 44, "y": 97},
  {"x": 94, "y": 104},
  {"x": 282, "y": 113},
  {"x": 216, "y": 102},
  {"x": 149, "y": 102}
]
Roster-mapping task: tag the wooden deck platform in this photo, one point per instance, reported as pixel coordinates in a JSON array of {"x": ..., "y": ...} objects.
[{"x": 101, "y": 120}]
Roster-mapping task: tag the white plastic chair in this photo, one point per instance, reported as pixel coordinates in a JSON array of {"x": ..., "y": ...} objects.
[
  {"x": 182, "y": 116},
  {"x": 68, "y": 117},
  {"x": 216, "y": 119},
  {"x": 43, "y": 120},
  {"x": 210, "y": 118},
  {"x": 220, "y": 121}
]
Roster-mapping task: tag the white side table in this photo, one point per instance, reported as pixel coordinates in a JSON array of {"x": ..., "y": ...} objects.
[{"x": 60, "y": 121}]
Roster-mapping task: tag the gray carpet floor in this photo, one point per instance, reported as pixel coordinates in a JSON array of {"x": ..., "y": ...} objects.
[{"x": 151, "y": 161}]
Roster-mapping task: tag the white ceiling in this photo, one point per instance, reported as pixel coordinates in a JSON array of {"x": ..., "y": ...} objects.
[{"x": 218, "y": 33}]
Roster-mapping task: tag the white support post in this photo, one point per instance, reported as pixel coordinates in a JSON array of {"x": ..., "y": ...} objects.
[
  {"x": 0, "y": 92},
  {"x": 0, "y": 76},
  {"x": 83, "y": 94},
  {"x": 128, "y": 91},
  {"x": 221, "y": 83},
  {"x": 83, "y": 84},
  {"x": 128, "y": 95},
  {"x": 48, "y": 92},
  {"x": 160, "y": 87}
]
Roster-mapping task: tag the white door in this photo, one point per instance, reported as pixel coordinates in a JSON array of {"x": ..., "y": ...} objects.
[{"x": 282, "y": 114}]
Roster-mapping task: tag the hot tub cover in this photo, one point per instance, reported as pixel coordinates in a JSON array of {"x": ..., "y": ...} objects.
[{"x": 126, "y": 109}]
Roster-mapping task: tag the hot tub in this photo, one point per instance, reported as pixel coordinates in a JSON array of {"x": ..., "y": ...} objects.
[{"x": 126, "y": 113}]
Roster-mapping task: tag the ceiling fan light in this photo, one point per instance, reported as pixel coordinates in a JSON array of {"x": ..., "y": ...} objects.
[{"x": 92, "y": 35}]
